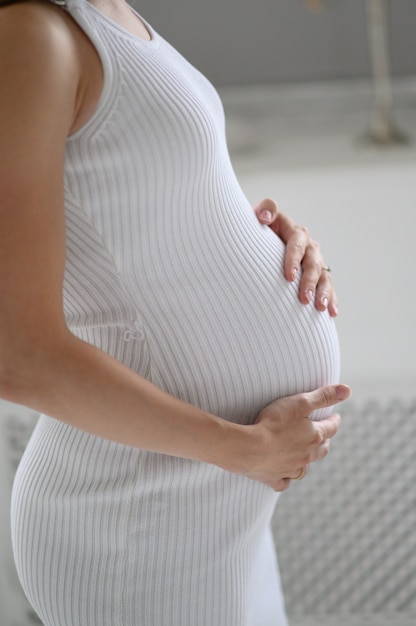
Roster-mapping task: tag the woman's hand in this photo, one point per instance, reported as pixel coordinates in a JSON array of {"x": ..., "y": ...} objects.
[
  {"x": 301, "y": 251},
  {"x": 288, "y": 441}
]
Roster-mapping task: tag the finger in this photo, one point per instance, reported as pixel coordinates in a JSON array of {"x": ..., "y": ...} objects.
[
  {"x": 280, "y": 485},
  {"x": 323, "y": 397},
  {"x": 299, "y": 474},
  {"x": 327, "y": 428},
  {"x": 325, "y": 294},
  {"x": 267, "y": 211},
  {"x": 297, "y": 240},
  {"x": 333, "y": 306},
  {"x": 294, "y": 236},
  {"x": 326, "y": 299},
  {"x": 320, "y": 452},
  {"x": 277, "y": 484},
  {"x": 296, "y": 246},
  {"x": 312, "y": 264}
]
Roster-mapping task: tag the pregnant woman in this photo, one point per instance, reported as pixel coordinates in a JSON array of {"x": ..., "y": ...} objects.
[{"x": 148, "y": 314}]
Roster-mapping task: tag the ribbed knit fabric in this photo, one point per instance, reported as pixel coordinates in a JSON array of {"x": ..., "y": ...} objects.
[{"x": 169, "y": 271}]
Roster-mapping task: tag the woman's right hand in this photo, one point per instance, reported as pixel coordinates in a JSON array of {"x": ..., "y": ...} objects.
[{"x": 288, "y": 440}]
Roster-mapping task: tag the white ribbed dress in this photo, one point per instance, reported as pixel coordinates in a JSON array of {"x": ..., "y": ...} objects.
[{"x": 169, "y": 271}]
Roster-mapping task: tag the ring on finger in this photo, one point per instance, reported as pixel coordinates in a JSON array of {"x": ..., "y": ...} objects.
[{"x": 301, "y": 474}]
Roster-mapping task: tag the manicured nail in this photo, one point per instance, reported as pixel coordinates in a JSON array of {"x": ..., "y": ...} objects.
[
  {"x": 309, "y": 294},
  {"x": 342, "y": 392},
  {"x": 294, "y": 272},
  {"x": 324, "y": 301},
  {"x": 266, "y": 216}
]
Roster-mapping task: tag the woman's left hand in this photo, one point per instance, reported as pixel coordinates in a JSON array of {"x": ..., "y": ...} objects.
[{"x": 301, "y": 252}]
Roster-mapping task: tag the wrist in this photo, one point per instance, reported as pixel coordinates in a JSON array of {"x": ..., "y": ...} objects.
[{"x": 236, "y": 447}]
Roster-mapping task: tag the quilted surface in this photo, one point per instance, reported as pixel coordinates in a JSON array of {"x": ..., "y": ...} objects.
[{"x": 346, "y": 535}]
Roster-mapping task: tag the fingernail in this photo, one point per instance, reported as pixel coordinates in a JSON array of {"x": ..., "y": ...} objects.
[
  {"x": 324, "y": 301},
  {"x": 335, "y": 309},
  {"x": 342, "y": 392},
  {"x": 294, "y": 272},
  {"x": 266, "y": 215},
  {"x": 309, "y": 294}
]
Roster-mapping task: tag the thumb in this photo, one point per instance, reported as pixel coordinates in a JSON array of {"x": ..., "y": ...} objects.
[
  {"x": 266, "y": 211},
  {"x": 342, "y": 392},
  {"x": 325, "y": 397}
]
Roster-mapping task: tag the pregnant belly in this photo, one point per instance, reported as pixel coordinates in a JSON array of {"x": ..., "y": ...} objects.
[{"x": 226, "y": 331}]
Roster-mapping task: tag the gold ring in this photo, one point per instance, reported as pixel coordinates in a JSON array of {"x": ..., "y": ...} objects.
[
  {"x": 301, "y": 474},
  {"x": 326, "y": 268}
]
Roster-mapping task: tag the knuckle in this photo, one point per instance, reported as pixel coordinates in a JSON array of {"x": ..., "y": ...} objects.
[
  {"x": 325, "y": 451},
  {"x": 326, "y": 278},
  {"x": 271, "y": 204},
  {"x": 312, "y": 264},
  {"x": 325, "y": 447},
  {"x": 327, "y": 397},
  {"x": 298, "y": 245},
  {"x": 317, "y": 266},
  {"x": 318, "y": 439},
  {"x": 302, "y": 235},
  {"x": 305, "y": 404},
  {"x": 315, "y": 245},
  {"x": 306, "y": 460}
]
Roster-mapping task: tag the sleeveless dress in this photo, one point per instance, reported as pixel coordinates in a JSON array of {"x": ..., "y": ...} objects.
[{"x": 169, "y": 271}]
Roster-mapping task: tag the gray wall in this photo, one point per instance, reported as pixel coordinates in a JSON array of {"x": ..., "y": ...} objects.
[{"x": 261, "y": 41}]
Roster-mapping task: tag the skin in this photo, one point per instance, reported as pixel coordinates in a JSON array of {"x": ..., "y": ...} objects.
[
  {"x": 301, "y": 252},
  {"x": 51, "y": 80}
]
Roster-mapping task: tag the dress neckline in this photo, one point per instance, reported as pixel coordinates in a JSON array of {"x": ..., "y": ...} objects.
[{"x": 154, "y": 37}]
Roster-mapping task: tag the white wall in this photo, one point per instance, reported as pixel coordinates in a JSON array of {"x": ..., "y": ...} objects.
[{"x": 365, "y": 218}]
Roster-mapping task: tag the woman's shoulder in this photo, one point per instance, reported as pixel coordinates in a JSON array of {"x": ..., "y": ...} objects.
[
  {"x": 36, "y": 34},
  {"x": 29, "y": 22},
  {"x": 42, "y": 51}
]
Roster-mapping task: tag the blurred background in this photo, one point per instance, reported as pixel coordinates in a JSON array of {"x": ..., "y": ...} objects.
[
  {"x": 320, "y": 100},
  {"x": 240, "y": 42}
]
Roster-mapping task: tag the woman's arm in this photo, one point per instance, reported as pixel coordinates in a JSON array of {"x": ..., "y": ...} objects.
[{"x": 44, "y": 366}]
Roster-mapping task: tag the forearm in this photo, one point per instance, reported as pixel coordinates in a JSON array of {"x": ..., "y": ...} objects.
[{"x": 86, "y": 388}]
